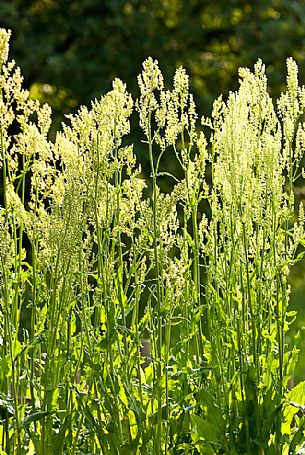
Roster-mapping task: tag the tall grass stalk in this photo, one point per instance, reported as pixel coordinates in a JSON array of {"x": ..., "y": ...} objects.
[{"x": 91, "y": 269}]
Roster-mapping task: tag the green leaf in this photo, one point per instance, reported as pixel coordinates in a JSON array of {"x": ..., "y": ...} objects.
[
  {"x": 292, "y": 405},
  {"x": 298, "y": 438},
  {"x": 33, "y": 418},
  {"x": 6, "y": 403},
  {"x": 58, "y": 441},
  {"x": 113, "y": 441},
  {"x": 212, "y": 412},
  {"x": 205, "y": 430}
]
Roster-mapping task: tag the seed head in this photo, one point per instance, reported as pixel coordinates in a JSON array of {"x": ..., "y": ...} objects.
[{"x": 4, "y": 45}]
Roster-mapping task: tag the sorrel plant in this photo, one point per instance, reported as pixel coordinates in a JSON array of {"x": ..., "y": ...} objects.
[{"x": 91, "y": 267}]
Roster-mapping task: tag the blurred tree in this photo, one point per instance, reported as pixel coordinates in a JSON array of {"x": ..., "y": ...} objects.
[{"x": 70, "y": 50}]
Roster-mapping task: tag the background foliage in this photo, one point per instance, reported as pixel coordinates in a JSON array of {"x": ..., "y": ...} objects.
[{"x": 71, "y": 50}]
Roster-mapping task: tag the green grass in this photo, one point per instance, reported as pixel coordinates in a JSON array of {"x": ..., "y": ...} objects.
[{"x": 92, "y": 269}]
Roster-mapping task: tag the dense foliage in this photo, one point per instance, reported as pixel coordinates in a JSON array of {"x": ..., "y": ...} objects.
[
  {"x": 71, "y": 50},
  {"x": 154, "y": 325}
]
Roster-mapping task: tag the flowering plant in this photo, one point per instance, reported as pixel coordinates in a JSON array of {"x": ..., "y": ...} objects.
[{"x": 137, "y": 321}]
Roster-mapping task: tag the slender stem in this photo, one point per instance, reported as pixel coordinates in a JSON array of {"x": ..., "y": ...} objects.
[{"x": 158, "y": 440}]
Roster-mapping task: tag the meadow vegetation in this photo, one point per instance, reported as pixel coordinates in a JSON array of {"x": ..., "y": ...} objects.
[{"x": 96, "y": 262}]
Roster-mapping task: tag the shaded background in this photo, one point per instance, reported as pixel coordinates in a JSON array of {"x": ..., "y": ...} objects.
[{"x": 70, "y": 50}]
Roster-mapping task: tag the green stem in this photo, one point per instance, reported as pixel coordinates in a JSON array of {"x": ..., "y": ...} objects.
[{"x": 158, "y": 440}]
